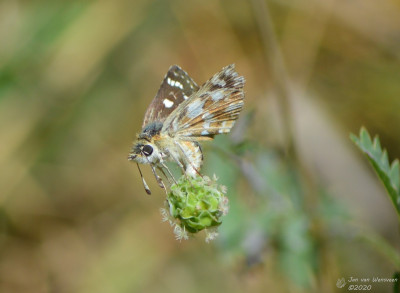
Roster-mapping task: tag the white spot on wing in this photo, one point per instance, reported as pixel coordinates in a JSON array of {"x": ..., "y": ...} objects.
[
  {"x": 195, "y": 108},
  {"x": 175, "y": 125},
  {"x": 217, "y": 81},
  {"x": 233, "y": 107},
  {"x": 175, "y": 83},
  {"x": 216, "y": 96},
  {"x": 185, "y": 97},
  {"x": 178, "y": 84},
  {"x": 205, "y": 132},
  {"x": 207, "y": 115},
  {"x": 168, "y": 103}
]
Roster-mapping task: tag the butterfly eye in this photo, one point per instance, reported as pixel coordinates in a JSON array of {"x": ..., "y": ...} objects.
[{"x": 147, "y": 150}]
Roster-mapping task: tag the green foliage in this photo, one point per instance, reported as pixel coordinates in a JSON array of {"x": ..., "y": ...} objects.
[
  {"x": 389, "y": 174},
  {"x": 382, "y": 246},
  {"x": 197, "y": 204},
  {"x": 396, "y": 287},
  {"x": 271, "y": 216}
]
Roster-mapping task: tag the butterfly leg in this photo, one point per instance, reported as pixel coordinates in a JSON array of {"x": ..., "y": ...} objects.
[
  {"x": 158, "y": 178},
  {"x": 181, "y": 166},
  {"x": 187, "y": 175},
  {"x": 159, "y": 181},
  {"x": 160, "y": 168},
  {"x": 177, "y": 161},
  {"x": 162, "y": 183},
  {"x": 168, "y": 171}
]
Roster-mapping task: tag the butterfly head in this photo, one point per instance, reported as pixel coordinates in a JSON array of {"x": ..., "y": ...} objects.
[{"x": 144, "y": 152}]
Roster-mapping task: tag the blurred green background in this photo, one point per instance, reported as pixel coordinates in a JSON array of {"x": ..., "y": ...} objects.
[{"x": 306, "y": 209}]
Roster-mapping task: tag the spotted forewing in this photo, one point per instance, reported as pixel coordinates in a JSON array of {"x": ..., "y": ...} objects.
[{"x": 176, "y": 87}]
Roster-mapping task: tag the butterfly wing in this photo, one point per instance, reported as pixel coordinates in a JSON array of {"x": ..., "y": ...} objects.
[
  {"x": 212, "y": 110},
  {"x": 176, "y": 87}
]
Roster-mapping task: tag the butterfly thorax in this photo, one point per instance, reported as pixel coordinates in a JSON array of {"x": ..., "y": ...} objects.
[{"x": 150, "y": 130}]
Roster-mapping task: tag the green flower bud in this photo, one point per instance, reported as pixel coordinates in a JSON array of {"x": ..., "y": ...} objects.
[{"x": 195, "y": 204}]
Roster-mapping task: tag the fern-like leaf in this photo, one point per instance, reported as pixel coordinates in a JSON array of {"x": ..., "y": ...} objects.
[{"x": 388, "y": 174}]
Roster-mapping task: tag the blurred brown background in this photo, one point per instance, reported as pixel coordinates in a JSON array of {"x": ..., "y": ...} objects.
[{"x": 75, "y": 80}]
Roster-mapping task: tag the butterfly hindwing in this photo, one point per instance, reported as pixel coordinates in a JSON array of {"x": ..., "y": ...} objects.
[
  {"x": 176, "y": 87},
  {"x": 212, "y": 110}
]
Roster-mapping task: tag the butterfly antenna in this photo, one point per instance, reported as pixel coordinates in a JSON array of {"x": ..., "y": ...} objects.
[
  {"x": 146, "y": 187},
  {"x": 159, "y": 181}
]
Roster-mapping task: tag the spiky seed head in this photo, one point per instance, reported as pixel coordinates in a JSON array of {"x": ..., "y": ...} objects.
[{"x": 196, "y": 204}]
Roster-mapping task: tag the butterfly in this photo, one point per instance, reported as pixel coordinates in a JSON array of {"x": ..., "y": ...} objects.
[{"x": 182, "y": 114}]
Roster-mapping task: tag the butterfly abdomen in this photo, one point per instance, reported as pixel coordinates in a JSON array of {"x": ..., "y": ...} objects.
[{"x": 193, "y": 156}]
